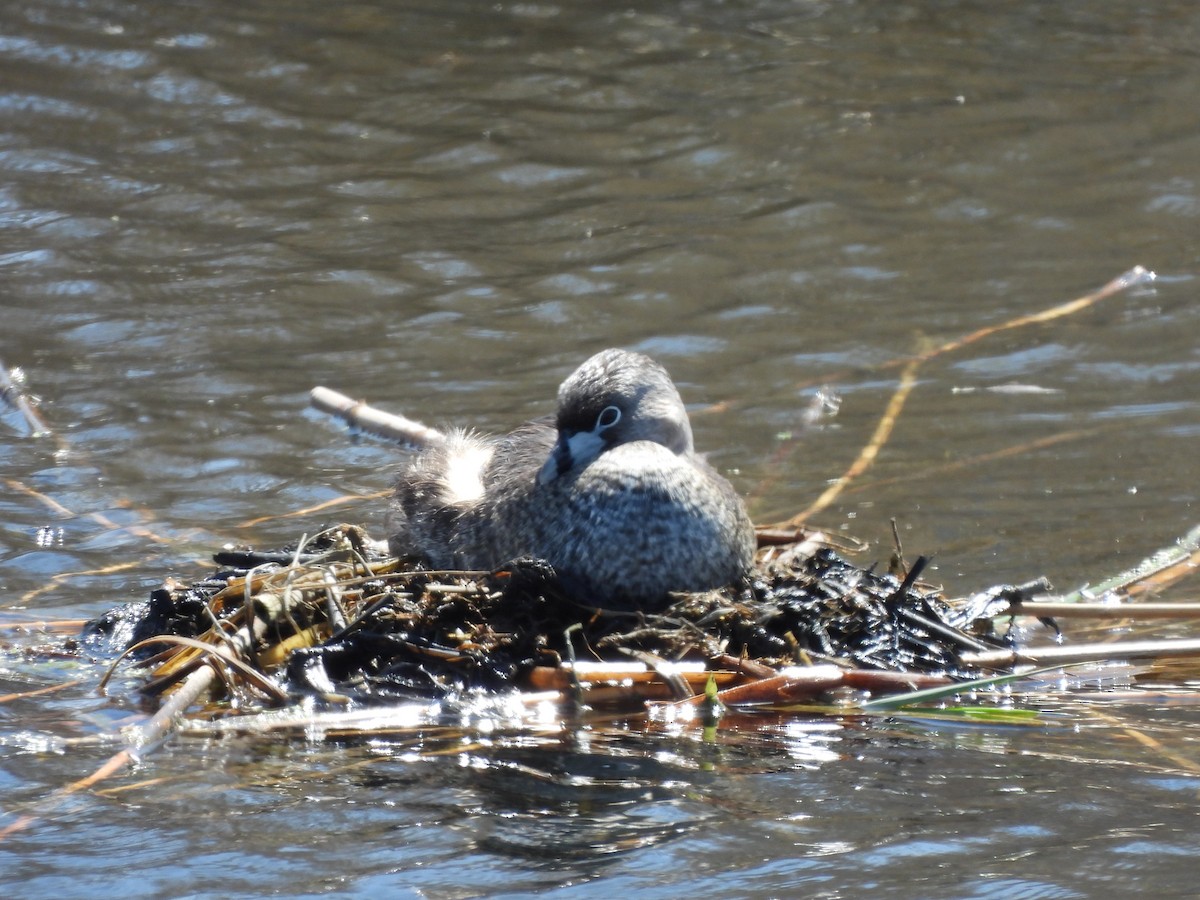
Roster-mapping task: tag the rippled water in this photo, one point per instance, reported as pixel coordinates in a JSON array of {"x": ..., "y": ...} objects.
[{"x": 206, "y": 209}]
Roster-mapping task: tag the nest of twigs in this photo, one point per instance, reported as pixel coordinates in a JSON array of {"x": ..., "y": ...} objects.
[{"x": 331, "y": 618}]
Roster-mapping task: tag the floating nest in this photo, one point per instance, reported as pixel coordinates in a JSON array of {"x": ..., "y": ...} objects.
[{"x": 333, "y": 619}]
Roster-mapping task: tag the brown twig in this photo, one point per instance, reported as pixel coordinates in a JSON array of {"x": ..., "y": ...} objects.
[
  {"x": 1135, "y": 276},
  {"x": 140, "y": 739},
  {"x": 1132, "y": 278},
  {"x": 58, "y": 626}
]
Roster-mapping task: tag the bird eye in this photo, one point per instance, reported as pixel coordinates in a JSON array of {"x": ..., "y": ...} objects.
[{"x": 609, "y": 416}]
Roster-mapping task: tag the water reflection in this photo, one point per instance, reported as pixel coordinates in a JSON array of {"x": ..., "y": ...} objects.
[{"x": 894, "y": 803}]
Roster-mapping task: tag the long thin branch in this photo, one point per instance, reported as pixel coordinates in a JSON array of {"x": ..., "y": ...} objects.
[
  {"x": 97, "y": 517},
  {"x": 1058, "y": 655},
  {"x": 1067, "y": 610},
  {"x": 1136, "y": 276}
]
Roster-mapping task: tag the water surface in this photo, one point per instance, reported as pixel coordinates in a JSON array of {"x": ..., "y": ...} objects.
[{"x": 206, "y": 209}]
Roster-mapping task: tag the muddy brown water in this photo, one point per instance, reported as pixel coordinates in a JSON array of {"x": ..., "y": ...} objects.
[{"x": 206, "y": 209}]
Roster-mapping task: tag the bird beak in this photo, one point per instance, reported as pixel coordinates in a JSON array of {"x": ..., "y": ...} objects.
[
  {"x": 558, "y": 462},
  {"x": 572, "y": 451}
]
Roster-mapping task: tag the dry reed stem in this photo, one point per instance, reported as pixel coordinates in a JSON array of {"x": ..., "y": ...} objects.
[
  {"x": 208, "y": 653},
  {"x": 277, "y": 654},
  {"x": 1133, "y": 277}
]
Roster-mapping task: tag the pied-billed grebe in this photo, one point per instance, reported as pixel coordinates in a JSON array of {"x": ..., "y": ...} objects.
[{"x": 610, "y": 493}]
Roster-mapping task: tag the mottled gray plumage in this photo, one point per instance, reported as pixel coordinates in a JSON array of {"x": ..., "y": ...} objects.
[{"x": 610, "y": 493}]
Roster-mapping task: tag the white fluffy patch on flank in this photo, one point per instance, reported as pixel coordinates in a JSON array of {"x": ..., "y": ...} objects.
[{"x": 466, "y": 458}]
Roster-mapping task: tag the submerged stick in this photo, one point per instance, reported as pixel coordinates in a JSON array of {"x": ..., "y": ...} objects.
[
  {"x": 54, "y": 688},
  {"x": 977, "y": 460},
  {"x": 55, "y": 626},
  {"x": 137, "y": 741},
  {"x": 142, "y": 738},
  {"x": 99, "y": 518},
  {"x": 1184, "y": 762},
  {"x": 357, "y": 414}
]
